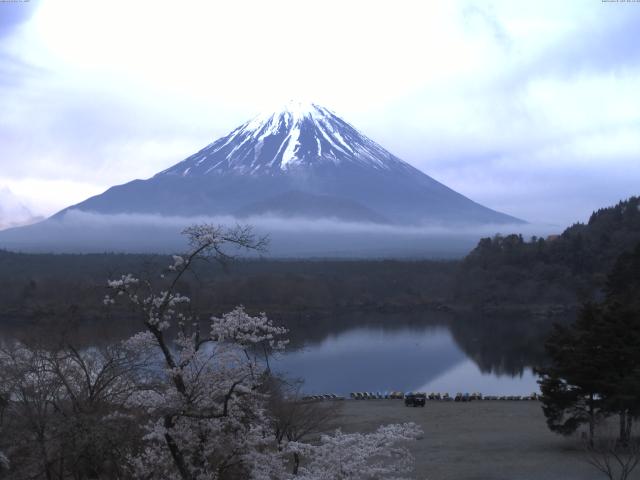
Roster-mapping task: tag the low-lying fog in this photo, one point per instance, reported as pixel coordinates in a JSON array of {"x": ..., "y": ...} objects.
[{"x": 84, "y": 232}]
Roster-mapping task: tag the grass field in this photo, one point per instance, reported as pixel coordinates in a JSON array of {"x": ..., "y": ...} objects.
[{"x": 480, "y": 440}]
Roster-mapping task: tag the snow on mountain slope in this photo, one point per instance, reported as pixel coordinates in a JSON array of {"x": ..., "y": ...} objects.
[{"x": 299, "y": 135}]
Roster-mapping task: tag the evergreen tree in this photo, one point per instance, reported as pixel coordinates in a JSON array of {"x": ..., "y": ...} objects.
[
  {"x": 570, "y": 386},
  {"x": 595, "y": 363},
  {"x": 621, "y": 318}
]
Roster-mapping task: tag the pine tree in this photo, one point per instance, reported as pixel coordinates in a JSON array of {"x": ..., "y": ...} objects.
[
  {"x": 621, "y": 318},
  {"x": 571, "y": 385},
  {"x": 594, "y": 368}
]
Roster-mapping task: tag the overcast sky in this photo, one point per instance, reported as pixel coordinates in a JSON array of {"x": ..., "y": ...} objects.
[{"x": 529, "y": 107}]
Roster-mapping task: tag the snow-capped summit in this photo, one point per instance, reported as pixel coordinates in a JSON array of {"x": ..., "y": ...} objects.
[{"x": 299, "y": 134}]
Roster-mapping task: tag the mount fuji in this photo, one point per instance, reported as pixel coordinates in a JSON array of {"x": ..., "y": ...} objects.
[
  {"x": 301, "y": 161},
  {"x": 301, "y": 165}
]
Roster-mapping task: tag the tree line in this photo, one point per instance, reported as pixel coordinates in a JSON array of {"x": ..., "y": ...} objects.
[
  {"x": 502, "y": 270},
  {"x": 568, "y": 268}
]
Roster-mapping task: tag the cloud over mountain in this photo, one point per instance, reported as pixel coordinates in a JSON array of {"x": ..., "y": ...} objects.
[{"x": 13, "y": 212}]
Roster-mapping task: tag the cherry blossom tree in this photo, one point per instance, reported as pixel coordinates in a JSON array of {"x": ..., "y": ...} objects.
[
  {"x": 358, "y": 456},
  {"x": 64, "y": 414},
  {"x": 296, "y": 419},
  {"x": 178, "y": 401},
  {"x": 209, "y": 417}
]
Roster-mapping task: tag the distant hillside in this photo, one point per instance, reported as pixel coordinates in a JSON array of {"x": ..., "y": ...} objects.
[{"x": 562, "y": 269}]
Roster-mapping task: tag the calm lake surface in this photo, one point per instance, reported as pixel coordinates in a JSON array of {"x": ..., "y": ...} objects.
[
  {"x": 375, "y": 352},
  {"x": 416, "y": 357}
]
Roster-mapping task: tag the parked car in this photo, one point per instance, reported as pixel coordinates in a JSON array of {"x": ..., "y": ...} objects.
[{"x": 415, "y": 399}]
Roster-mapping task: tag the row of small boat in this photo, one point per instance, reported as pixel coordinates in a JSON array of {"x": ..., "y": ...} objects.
[
  {"x": 458, "y": 397},
  {"x": 444, "y": 397},
  {"x": 325, "y": 396}
]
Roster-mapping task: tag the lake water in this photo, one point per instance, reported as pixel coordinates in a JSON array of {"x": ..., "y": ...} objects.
[
  {"x": 405, "y": 358},
  {"x": 432, "y": 352}
]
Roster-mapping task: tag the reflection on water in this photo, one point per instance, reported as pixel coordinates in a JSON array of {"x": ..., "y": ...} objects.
[
  {"x": 452, "y": 357},
  {"x": 373, "y": 359},
  {"x": 467, "y": 377}
]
